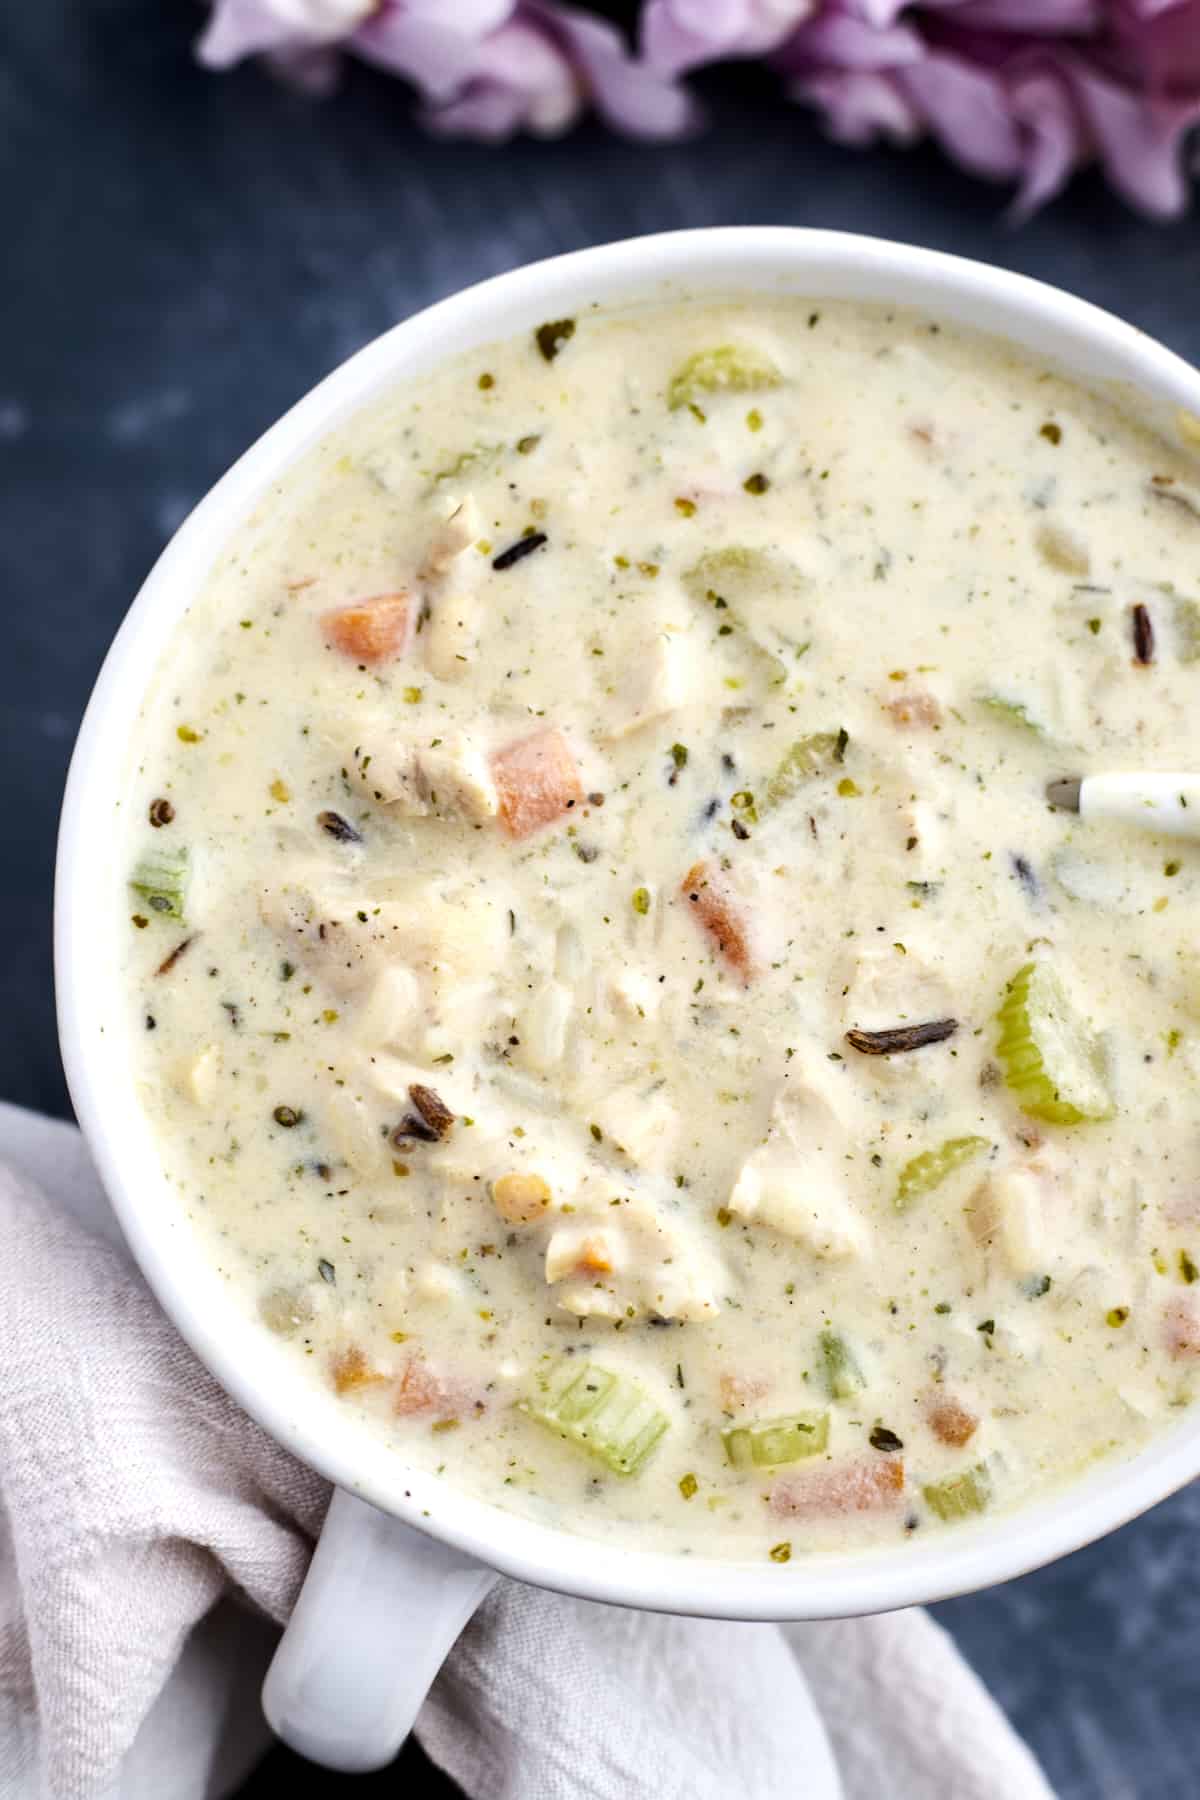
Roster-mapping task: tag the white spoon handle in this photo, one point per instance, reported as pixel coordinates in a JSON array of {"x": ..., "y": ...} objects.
[{"x": 1160, "y": 803}]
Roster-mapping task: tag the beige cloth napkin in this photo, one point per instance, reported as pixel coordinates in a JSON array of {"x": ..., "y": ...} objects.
[{"x": 136, "y": 1499}]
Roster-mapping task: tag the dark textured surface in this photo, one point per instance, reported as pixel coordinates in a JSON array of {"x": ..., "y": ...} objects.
[{"x": 184, "y": 256}]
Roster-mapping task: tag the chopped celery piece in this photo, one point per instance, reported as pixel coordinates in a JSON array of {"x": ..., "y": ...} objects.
[
  {"x": 808, "y": 756},
  {"x": 478, "y": 457},
  {"x": 1051, "y": 1060},
  {"x": 843, "y": 1373},
  {"x": 1186, "y": 617},
  {"x": 162, "y": 879},
  {"x": 1016, "y": 712},
  {"x": 921, "y": 1174},
  {"x": 726, "y": 368},
  {"x": 739, "y": 572},
  {"x": 770, "y": 1442},
  {"x": 755, "y": 591},
  {"x": 606, "y": 1414},
  {"x": 958, "y": 1496}
]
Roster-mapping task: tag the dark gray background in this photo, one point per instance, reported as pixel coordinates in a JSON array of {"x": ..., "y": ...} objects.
[{"x": 183, "y": 255}]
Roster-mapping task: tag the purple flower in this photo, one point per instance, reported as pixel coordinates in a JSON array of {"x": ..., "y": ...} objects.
[
  {"x": 1021, "y": 91},
  {"x": 1025, "y": 91},
  {"x": 681, "y": 34},
  {"x": 484, "y": 68}
]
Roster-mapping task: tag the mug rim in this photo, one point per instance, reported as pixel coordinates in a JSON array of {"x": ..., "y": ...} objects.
[{"x": 747, "y": 261}]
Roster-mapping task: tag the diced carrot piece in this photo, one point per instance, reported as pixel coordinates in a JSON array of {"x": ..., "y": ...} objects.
[
  {"x": 350, "y": 1370},
  {"x": 371, "y": 631},
  {"x": 921, "y": 710},
  {"x": 711, "y": 902},
  {"x": 537, "y": 781},
  {"x": 741, "y": 1390},
  {"x": 853, "y": 1487},
  {"x": 420, "y": 1390},
  {"x": 949, "y": 1420},
  {"x": 1181, "y": 1328},
  {"x": 594, "y": 1258}
]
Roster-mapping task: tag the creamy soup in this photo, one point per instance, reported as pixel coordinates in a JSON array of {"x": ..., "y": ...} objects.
[{"x": 608, "y": 983}]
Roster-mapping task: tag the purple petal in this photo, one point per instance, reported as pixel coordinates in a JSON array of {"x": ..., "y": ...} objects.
[
  {"x": 839, "y": 41},
  {"x": 1139, "y": 144},
  {"x": 522, "y": 82},
  {"x": 966, "y": 109},
  {"x": 859, "y": 108},
  {"x": 1054, "y": 139},
  {"x": 316, "y": 72},
  {"x": 879, "y": 14},
  {"x": 437, "y": 46},
  {"x": 238, "y": 28},
  {"x": 1159, "y": 44},
  {"x": 1045, "y": 18},
  {"x": 629, "y": 95},
  {"x": 681, "y": 34}
]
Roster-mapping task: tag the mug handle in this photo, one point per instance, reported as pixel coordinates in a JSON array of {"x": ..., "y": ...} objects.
[{"x": 379, "y": 1612}]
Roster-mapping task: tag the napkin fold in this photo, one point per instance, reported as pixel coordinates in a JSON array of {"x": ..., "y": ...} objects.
[{"x": 152, "y": 1537}]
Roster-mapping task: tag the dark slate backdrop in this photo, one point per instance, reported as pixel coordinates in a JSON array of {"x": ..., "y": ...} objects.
[{"x": 183, "y": 256}]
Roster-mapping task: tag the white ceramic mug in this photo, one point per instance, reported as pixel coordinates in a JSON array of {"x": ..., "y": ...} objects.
[{"x": 403, "y": 1560}]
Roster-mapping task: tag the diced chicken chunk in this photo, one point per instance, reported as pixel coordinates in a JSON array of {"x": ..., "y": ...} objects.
[
  {"x": 355, "y": 1133},
  {"x": 197, "y": 1077},
  {"x": 374, "y": 631},
  {"x": 626, "y": 1261},
  {"x": 1006, "y": 1214},
  {"x": 542, "y": 1027},
  {"x": 451, "y": 635},
  {"x": 793, "y": 1183},
  {"x": 922, "y": 840},
  {"x": 453, "y": 536},
  {"x": 537, "y": 781},
  {"x": 641, "y": 1127},
  {"x": 448, "y": 778},
  {"x": 888, "y": 988},
  {"x": 1062, "y": 549},
  {"x": 799, "y": 1197},
  {"x": 393, "y": 1015},
  {"x": 661, "y": 676},
  {"x": 583, "y": 1250},
  {"x": 633, "y": 994},
  {"x": 437, "y": 1284}
]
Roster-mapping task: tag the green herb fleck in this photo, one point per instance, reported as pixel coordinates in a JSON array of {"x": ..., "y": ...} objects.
[{"x": 551, "y": 337}]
